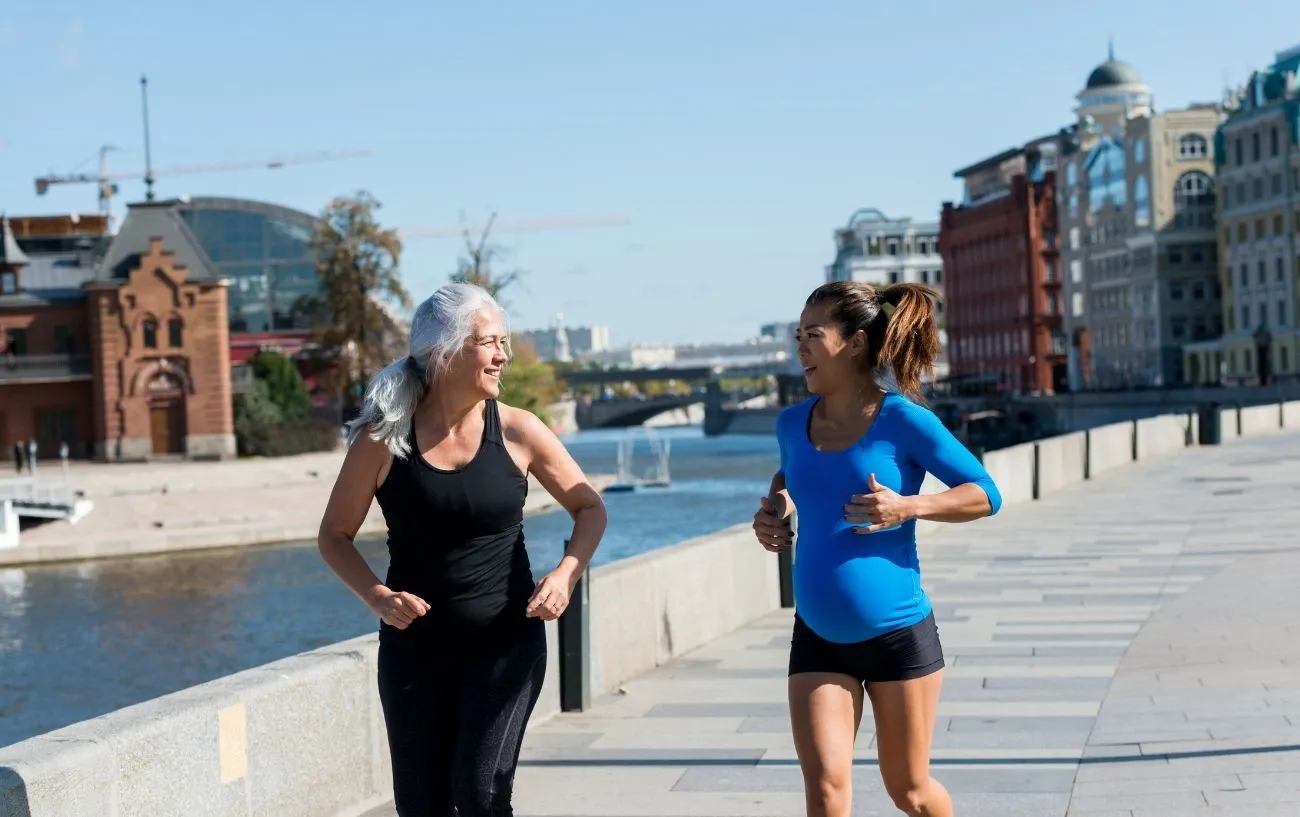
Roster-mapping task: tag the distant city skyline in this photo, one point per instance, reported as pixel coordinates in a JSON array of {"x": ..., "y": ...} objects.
[{"x": 736, "y": 145}]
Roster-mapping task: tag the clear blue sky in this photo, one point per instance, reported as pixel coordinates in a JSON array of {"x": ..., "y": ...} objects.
[{"x": 735, "y": 136}]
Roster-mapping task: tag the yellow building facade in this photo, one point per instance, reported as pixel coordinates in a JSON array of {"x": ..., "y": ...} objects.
[{"x": 1257, "y": 159}]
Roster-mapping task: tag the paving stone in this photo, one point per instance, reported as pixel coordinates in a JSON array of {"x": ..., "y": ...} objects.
[
  {"x": 1271, "y": 799},
  {"x": 1155, "y": 785},
  {"x": 1097, "y": 686},
  {"x": 1026, "y": 724},
  {"x": 775, "y": 724},
  {"x": 718, "y": 710},
  {"x": 1170, "y": 804},
  {"x": 973, "y": 781},
  {"x": 638, "y": 756},
  {"x": 1027, "y": 742}
]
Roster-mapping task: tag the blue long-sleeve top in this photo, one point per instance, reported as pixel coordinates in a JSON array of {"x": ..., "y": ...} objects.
[{"x": 850, "y": 587}]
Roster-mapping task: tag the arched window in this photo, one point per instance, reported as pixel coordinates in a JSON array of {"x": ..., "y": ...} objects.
[
  {"x": 1193, "y": 146},
  {"x": 175, "y": 332},
  {"x": 149, "y": 330},
  {"x": 1141, "y": 203},
  {"x": 1139, "y": 151},
  {"x": 1194, "y": 200}
]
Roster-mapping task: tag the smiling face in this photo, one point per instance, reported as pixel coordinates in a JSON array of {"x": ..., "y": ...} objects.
[
  {"x": 477, "y": 368},
  {"x": 830, "y": 360}
]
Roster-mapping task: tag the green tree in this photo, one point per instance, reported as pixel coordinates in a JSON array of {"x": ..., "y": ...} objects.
[
  {"x": 284, "y": 385},
  {"x": 357, "y": 263},
  {"x": 529, "y": 382}
]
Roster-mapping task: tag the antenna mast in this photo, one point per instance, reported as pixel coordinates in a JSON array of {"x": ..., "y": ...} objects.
[{"x": 148, "y": 162}]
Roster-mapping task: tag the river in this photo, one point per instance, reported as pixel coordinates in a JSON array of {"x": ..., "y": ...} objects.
[{"x": 80, "y": 640}]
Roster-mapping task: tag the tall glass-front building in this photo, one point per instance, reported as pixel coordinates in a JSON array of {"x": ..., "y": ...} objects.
[{"x": 265, "y": 251}]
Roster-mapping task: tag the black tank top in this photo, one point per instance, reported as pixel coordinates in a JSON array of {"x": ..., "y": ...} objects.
[{"x": 456, "y": 539}]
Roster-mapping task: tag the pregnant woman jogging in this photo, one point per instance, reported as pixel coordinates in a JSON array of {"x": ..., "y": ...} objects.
[{"x": 853, "y": 457}]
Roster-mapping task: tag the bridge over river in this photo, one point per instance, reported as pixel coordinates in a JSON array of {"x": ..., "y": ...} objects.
[{"x": 620, "y": 412}]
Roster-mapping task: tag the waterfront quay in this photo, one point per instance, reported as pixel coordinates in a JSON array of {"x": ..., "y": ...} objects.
[{"x": 1120, "y": 641}]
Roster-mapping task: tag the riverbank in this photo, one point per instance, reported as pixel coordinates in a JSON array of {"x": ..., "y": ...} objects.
[{"x": 168, "y": 507}]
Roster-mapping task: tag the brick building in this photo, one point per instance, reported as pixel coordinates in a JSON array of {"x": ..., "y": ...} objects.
[
  {"x": 1003, "y": 282},
  {"x": 117, "y": 346}
]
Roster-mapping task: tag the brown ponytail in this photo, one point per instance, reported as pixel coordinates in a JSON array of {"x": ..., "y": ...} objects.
[
  {"x": 911, "y": 342},
  {"x": 899, "y": 324}
]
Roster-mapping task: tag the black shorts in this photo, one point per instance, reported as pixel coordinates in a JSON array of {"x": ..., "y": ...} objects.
[{"x": 900, "y": 655}]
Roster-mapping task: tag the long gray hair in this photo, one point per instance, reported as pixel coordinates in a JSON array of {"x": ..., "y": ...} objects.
[{"x": 439, "y": 329}]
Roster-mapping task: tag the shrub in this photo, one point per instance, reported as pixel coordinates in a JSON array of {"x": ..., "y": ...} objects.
[
  {"x": 261, "y": 429},
  {"x": 284, "y": 386},
  {"x": 301, "y": 437}
]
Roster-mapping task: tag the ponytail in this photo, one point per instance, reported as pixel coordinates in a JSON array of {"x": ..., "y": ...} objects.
[
  {"x": 898, "y": 320},
  {"x": 910, "y": 345},
  {"x": 389, "y": 405}
]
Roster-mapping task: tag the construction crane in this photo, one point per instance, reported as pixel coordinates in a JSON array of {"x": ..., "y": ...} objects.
[
  {"x": 106, "y": 182},
  {"x": 529, "y": 226}
]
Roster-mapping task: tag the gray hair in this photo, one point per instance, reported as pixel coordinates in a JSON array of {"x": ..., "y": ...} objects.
[{"x": 439, "y": 329}]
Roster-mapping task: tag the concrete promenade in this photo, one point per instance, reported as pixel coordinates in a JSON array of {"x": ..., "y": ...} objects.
[
  {"x": 1126, "y": 648},
  {"x": 162, "y": 507}
]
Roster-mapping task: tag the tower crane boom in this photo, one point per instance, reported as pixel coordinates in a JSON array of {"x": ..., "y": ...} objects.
[
  {"x": 526, "y": 226},
  {"x": 107, "y": 181}
]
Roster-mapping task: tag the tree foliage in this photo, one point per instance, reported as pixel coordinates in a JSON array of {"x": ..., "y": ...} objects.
[
  {"x": 357, "y": 263},
  {"x": 529, "y": 382},
  {"x": 255, "y": 407},
  {"x": 283, "y": 384}
]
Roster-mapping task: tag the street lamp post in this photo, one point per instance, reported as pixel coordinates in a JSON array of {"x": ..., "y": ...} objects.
[{"x": 1263, "y": 341}]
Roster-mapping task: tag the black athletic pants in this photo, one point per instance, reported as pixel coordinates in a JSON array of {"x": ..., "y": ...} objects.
[{"x": 456, "y": 718}]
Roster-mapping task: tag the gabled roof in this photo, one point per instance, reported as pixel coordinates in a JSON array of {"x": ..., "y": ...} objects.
[
  {"x": 10, "y": 253},
  {"x": 145, "y": 222}
]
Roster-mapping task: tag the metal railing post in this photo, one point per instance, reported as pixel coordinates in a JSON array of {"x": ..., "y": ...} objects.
[
  {"x": 574, "y": 630},
  {"x": 1087, "y": 454},
  {"x": 785, "y": 574},
  {"x": 1036, "y": 492},
  {"x": 1208, "y": 431}
]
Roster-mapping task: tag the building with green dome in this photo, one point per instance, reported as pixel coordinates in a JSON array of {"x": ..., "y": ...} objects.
[{"x": 1136, "y": 199}]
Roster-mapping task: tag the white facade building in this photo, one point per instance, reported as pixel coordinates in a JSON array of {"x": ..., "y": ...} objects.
[
  {"x": 637, "y": 356},
  {"x": 878, "y": 250},
  {"x": 564, "y": 343}
]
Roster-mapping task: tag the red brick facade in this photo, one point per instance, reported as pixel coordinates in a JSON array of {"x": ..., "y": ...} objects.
[
  {"x": 162, "y": 362},
  {"x": 139, "y": 367},
  {"x": 1003, "y": 286}
]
